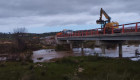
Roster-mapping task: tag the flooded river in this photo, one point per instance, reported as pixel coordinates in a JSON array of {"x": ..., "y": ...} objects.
[{"x": 45, "y": 55}]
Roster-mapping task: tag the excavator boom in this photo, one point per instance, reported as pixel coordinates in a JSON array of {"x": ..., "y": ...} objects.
[
  {"x": 100, "y": 21},
  {"x": 102, "y": 12}
]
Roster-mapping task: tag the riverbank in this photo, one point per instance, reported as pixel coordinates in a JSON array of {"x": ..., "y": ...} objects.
[{"x": 73, "y": 68}]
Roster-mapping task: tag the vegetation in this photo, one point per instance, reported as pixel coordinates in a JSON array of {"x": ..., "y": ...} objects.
[
  {"x": 73, "y": 68},
  {"x": 20, "y": 44},
  {"x": 64, "y": 47}
]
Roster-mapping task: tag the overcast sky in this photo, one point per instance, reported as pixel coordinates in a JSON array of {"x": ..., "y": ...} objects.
[{"x": 54, "y": 15}]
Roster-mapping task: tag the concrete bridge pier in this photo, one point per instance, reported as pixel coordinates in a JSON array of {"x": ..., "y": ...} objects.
[
  {"x": 71, "y": 46},
  {"x": 82, "y": 48},
  {"x": 118, "y": 42},
  {"x": 103, "y": 49},
  {"x": 120, "y": 50}
]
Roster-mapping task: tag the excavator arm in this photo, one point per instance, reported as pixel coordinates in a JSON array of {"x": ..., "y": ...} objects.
[
  {"x": 102, "y": 12},
  {"x": 103, "y": 22}
]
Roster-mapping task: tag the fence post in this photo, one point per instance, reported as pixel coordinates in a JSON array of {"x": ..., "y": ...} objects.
[
  {"x": 112, "y": 29},
  {"x": 97, "y": 31},
  {"x": 78, "y": 33},
  {"x": 136, "y": 28},
  {"x": 123, "y": 29}
]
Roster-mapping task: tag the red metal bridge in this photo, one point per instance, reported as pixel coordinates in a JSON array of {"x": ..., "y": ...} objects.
[{"x": 129, "y": 31}]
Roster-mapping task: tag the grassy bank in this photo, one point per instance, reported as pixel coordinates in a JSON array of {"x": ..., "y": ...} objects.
[{"x": 73, "y": 68}]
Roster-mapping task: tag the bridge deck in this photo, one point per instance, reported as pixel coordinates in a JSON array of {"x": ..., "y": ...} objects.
[
  {"x": 118, "y": 36},
  {"x": 122, "y": 33}
]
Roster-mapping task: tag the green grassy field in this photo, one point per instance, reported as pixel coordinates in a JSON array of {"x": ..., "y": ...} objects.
[{"x": 72, "y": 68}]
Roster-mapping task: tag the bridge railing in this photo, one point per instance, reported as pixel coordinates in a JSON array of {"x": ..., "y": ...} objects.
[
  {"x": 81, "y": 33},
  {"x": 131, "y": 27},
  {"x": 124, "y": 28}
]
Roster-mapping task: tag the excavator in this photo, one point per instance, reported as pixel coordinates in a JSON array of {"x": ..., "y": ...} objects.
[{"x": 106, "y": 23}]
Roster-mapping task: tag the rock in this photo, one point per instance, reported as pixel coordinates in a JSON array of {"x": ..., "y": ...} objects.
[{"x": 80, "y": 69}]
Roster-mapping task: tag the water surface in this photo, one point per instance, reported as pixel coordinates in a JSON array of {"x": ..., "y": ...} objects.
[{"x": 45, "y": 55}]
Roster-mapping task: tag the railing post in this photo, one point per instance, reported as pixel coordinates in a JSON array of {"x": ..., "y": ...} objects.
[
  {"x": 78, "y": 33},
  {"x": 97, "y": 31},
  {"x": 86, "y": 33},
  {"x": 104, "y": 30},
  {"x": 123, "y": 29},
  {"x": 136, "y": 28},
  {"x": 82, "y": 33},
  {"x": 112, "y": 29}
]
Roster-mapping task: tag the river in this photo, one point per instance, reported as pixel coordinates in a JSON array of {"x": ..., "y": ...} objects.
[{"x": 45, "y": 55}]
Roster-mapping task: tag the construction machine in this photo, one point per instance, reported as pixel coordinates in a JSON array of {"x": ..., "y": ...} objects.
[
  {"x": 65, "y": 31},
  {"x": 106, "y": 23}
]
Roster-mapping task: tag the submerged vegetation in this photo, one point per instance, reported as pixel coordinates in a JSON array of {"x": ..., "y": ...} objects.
[{"x": 72, "y": 68}]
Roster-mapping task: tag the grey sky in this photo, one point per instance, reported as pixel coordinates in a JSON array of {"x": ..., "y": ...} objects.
[{"x": 50, "y": 13}]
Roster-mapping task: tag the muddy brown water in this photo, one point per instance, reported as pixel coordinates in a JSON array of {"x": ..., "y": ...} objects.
[{"x": 45, "y": 55}]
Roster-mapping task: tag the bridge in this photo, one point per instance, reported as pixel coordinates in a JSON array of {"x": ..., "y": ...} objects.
[
  {"x": 129, "y": 31},
  {"x": 124, "y": 32}
]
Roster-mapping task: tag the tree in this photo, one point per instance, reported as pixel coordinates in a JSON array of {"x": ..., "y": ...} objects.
[{"x": 18, "y": 36}]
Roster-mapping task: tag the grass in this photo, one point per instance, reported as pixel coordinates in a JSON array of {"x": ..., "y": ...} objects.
[{"x": 94, "y": 68}]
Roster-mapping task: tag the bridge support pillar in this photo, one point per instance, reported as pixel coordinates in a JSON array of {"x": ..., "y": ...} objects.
[
  {"x": 103, "y": 49},
  {"x": 120, "y": 50},
  {"x": 82, "y": 48},
  {"x": 71, "y": 47}
]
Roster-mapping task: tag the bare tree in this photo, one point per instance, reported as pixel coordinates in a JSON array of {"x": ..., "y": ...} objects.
[
  {"x": 20, "y": 30},
  {"x": 18, "y": 36}
]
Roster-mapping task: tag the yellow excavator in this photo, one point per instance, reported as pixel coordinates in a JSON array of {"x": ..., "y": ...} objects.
[{"x": 106, "y": 23}]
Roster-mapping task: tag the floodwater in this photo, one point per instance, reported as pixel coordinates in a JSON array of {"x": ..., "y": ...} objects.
[{"x": 45, "y": 55}]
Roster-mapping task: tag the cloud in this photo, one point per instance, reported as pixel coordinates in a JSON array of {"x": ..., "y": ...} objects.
[{"x": 52, "y": 13}]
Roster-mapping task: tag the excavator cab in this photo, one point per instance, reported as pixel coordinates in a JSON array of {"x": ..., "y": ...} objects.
[{"x": 106, "y": 23}]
